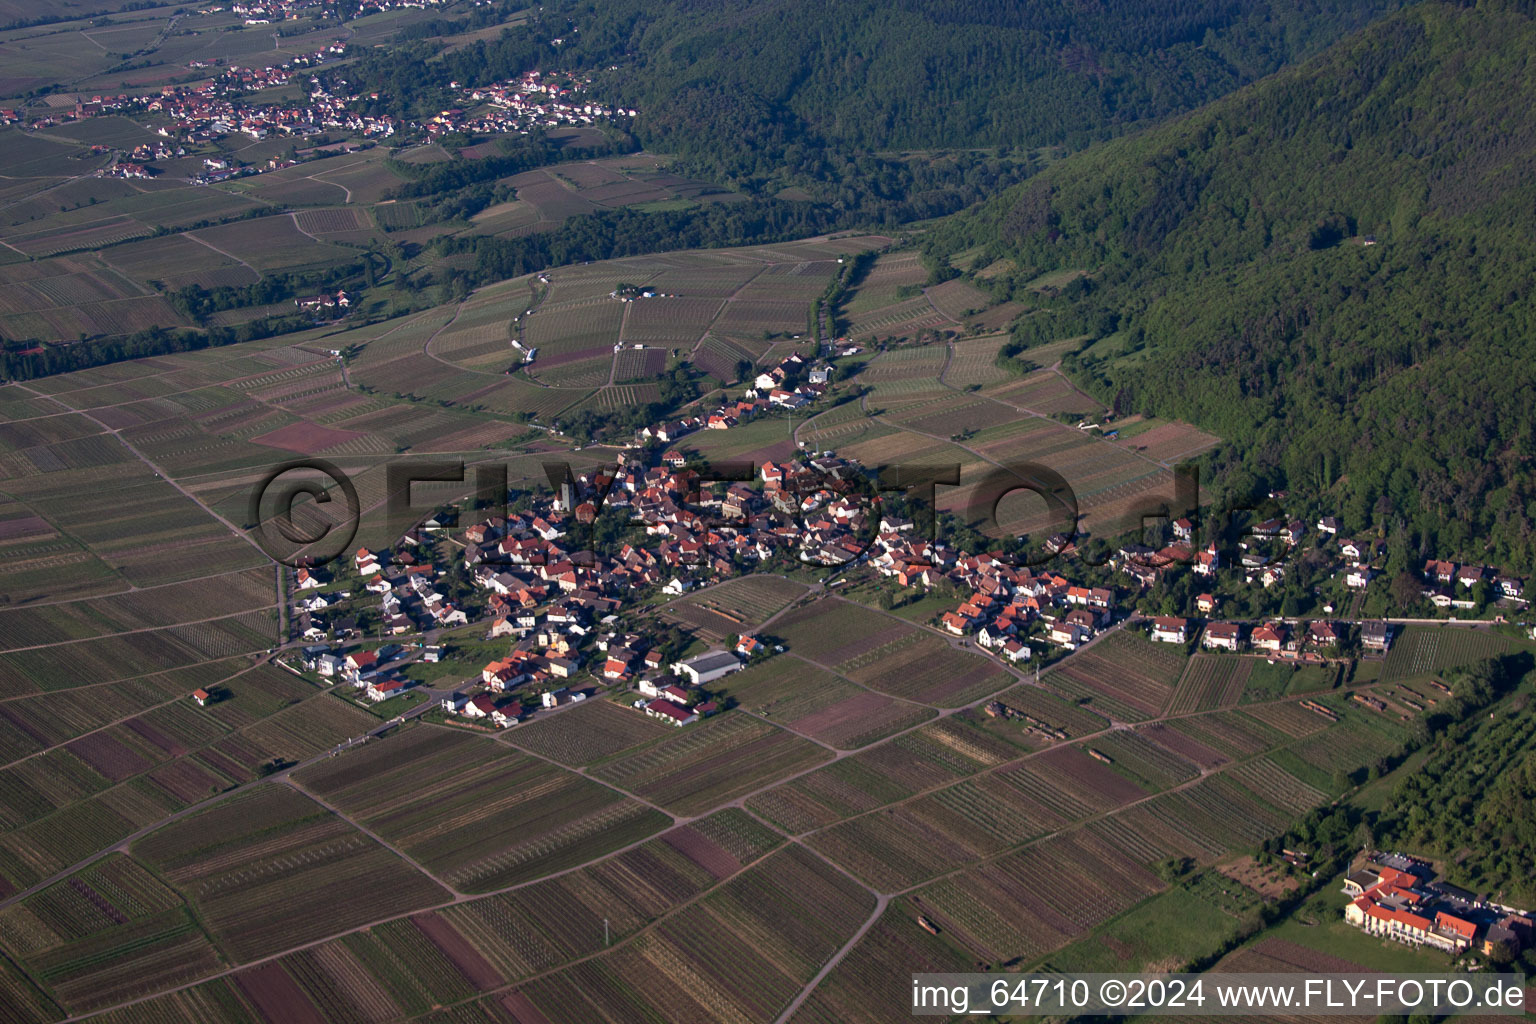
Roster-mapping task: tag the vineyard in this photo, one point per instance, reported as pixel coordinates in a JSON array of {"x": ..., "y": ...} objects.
[
  {"x": 254, "y": 905},
  {"x": 1122, "y": 675},
  {"x": 712, "y": 762},
  {"x": 475, "y": 812},
  {"x": 774, "y": 924},
  {"x": 734, "y": 607},
  {"x": 1211, "y": 681},
  {"x": 1422, "y": 651},
  {"x": 1150, "y": 765},
  {"x": 813, "y": 702},
  {"x": 109, "y": 933},
  {"x": 585, "y": 735}
]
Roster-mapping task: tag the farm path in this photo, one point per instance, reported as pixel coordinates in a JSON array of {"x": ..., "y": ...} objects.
[
  {"x": 130, "y": 632},
  {"x": 724, "y": 305},
  {"x": 159, "y": 472},
  {"x": 294, "y": 217},
  {"x": 882, "y": 899},
  {"x": 509, "y": 739},
  {"x": 426, "y": 346},
  {"x": 122, "y": 845},
  {"x": 881, "y": 902},
  {"x": 457, "y": 899},
  {"x": 281, "y": 589},
  {"x": 209, "y": 245},
  {"x": 613, "y": 364},
  {"x": 289, "y": 781},
  {"x": 108, "y": 725}
]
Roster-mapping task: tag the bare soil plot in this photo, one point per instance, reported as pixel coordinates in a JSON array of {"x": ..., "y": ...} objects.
[{"x": 306, "y": 438}]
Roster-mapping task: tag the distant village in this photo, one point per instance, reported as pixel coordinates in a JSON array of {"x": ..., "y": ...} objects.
[{"x": 222, "y": 106}]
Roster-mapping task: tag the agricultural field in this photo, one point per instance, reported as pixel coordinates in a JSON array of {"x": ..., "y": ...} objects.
[
  {"x": 586, "y": 735},
  {"x": 248, "y": 895},
  {"x": 1211, "y": 681},
  {"x": 110, "y": 932},
  {"x": 713, "y": 762},
  {"x": 937, "y": 754},
  {"x": 737, "y": 606},
  {"x": 775, "y": 924},
  {"x": 1123, "y": 675},
  {"x": 593, "y": 863},
  {"x": 475, "y": 813},
  {"x": 1426, "y": 650},
  {"x": 815, "y": 703}
]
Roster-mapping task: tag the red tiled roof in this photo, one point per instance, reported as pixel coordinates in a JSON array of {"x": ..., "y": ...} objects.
[{"x": 1450, "y": 922}]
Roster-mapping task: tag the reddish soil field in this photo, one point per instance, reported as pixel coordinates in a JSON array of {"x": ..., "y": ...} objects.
[
  {"x": 305, "y": 438},
  {"x": 1181, "y": 744},
  {"x": 26, "y": 526},
  {"x": 570, "y": 356},
  {"x": 475, "y": 968},
  {"x": 108, "y": 756},
  {"x": 522, "y": 1011},
  {"x": 186, "y": 781},
  {"x": 155, "y": 737},
  {"x": 1087, "y": 774},
  {"x": 20, "y": 724},
  {"x": 703, "y": 851},
  {"x": 836, "y": 718},
  {"x": 98, "y": 901},
  {"x": 276, "y": 996}
]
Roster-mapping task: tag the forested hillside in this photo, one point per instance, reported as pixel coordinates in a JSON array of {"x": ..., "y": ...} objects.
[
  {"x": 775, "y": 86},
  {"x": 770, "y": 93},
  {"x": 1330, "y": 268}
]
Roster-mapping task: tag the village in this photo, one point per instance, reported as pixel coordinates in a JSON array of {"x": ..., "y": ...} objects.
[
  {"x": 1397, "y": 897},
  {"x": 201, "y": 114},
  {"x": 574, "y": 616}
]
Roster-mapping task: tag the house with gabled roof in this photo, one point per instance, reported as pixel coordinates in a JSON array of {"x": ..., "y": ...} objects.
[{"x": 1224, "y": 636}]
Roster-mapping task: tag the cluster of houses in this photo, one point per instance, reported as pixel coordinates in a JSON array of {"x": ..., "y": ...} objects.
[
  {"x": 1004, "y": 599},
  {"x": 374, "y": 671},
  {"x": 325, "y": 302},
  {"x": 1448, "y": 585},
  {"x": 1396, "y": 897},
  {"x": 555, "y": 601},
  {"x": 533, "y": 100},
  {"x": 266, "y": 12},
  {"x": 1261, "y": 559},
  {"x": 777, "y": 388},
  {"x": 1308, "y": 641},
  {"x": 407, "y": 593},
  {"x": 217, "y": 108}
]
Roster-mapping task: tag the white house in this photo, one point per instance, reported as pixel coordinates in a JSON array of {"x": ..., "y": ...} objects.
[
  {"x": 1170, "y": 630},
  {"x": 669, "y": 711},
  {"x": 1225, "y": 636},
  {"x": 1358, "y": 577}
]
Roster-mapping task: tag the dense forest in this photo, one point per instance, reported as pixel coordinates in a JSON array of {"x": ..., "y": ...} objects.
[
  {"x": 774, "y": 88},
  {"x": 769, "y": 94},
  {"x": 1329, "y": 268}
]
